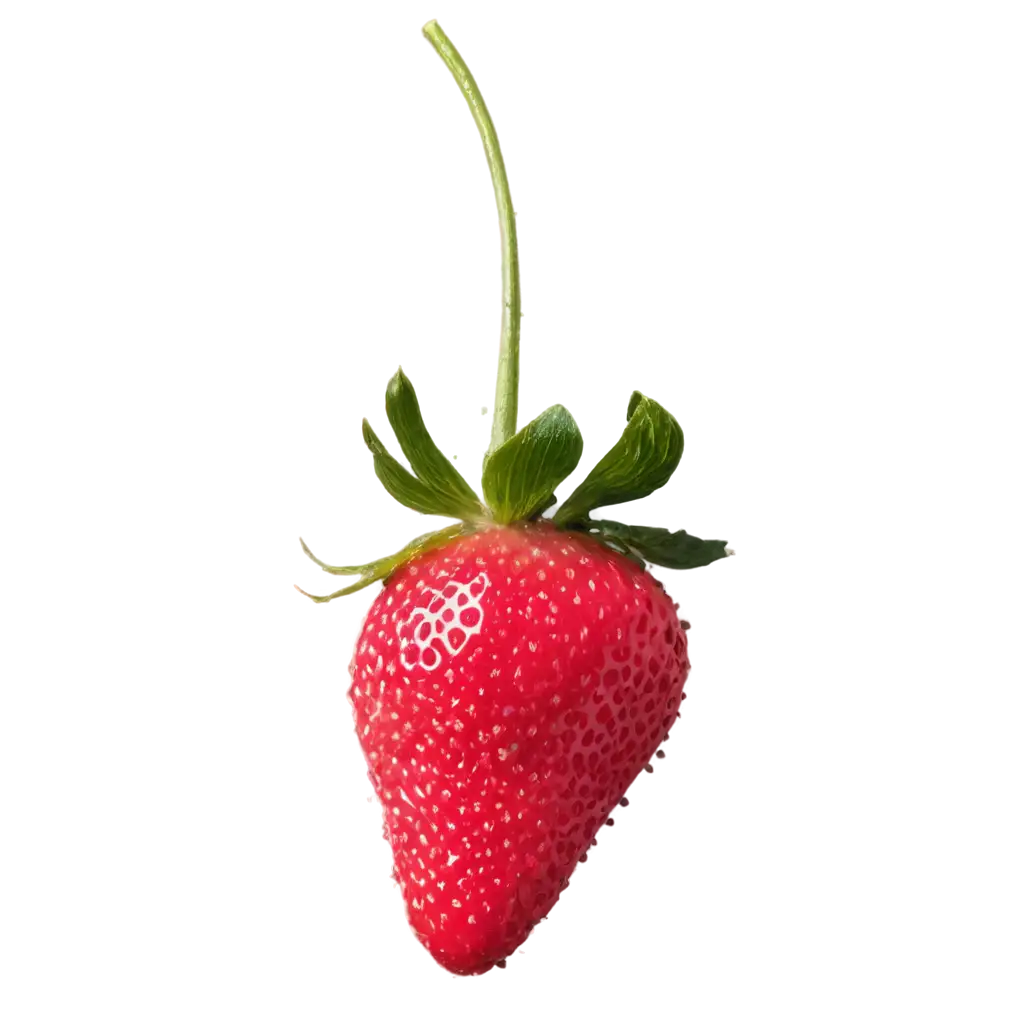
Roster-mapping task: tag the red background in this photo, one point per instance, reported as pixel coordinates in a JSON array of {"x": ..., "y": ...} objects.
[{"x": 217, "y": 229}]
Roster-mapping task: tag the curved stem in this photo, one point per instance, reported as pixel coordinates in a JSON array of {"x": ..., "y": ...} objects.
[{"x": 506, "y": 399}]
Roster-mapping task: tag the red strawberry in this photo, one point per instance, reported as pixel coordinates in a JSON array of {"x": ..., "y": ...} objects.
[
  {"x": 516, "y": 672},
  {"x": 508, "y": 688}
]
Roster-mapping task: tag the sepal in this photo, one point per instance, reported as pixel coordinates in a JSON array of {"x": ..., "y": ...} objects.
[{"x": 672, "y": 549}]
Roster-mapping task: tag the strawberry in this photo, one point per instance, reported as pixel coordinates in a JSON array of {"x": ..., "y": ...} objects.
[
  {"x": 517, "y": 671},
  {"x": 508, "y": 687}
]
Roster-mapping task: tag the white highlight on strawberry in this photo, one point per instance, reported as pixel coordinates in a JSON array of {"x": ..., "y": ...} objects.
[{"x": 443, "y": 623}]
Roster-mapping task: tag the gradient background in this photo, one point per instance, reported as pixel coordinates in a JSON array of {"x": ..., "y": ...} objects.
[{"x": 217, "y": 229}]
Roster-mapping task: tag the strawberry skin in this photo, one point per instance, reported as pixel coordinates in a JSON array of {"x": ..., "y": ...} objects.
[{"x": 507, "y": 689}]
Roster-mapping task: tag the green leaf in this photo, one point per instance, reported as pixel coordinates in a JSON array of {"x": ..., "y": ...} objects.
[
  {"x": 426, "y": 459},
  {"x": 403, "y": 486},
  {"x": 674, "y": 550},
  {"x": 521, "y": 475},
  {"x": 641, "y": 461},
  {"x": 383, "y": 567}
]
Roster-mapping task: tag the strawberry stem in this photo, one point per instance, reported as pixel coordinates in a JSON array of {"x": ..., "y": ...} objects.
[{"x": 506, "y": 399}]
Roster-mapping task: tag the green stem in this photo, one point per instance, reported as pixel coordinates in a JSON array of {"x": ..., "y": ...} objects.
[{"x": 506, "y": 398}]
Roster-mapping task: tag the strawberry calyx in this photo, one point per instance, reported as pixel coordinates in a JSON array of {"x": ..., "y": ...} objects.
[
  {"x": 523, "y": 468},
  {"x": 523, "y": 481}
]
